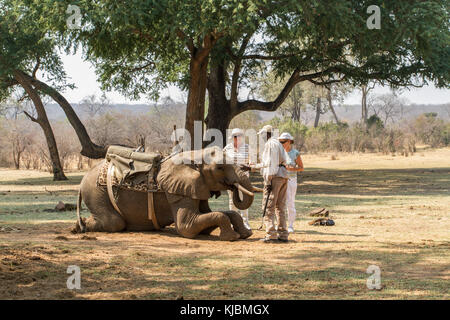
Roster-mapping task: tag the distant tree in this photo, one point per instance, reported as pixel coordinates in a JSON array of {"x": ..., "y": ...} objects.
[
  {"x": 431, "y": 130},
  {"x": 375, "y": 121},
  {"x": 336, "y": 92},
  {"x": 365, "y": 91},
  {"x": 388, "y": 107},
  {"x": 430, "y": 115},
  {"x": 20, "y": 138},
  {"x": 94, "y": 106}
]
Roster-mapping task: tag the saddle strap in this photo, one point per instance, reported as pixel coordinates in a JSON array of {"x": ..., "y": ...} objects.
[
  {"x": 151, "y": 210},
  {"x": 109, "y": 176},
  {"x": 150, "y": 203}
]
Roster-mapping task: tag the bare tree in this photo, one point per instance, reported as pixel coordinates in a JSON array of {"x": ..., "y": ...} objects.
[
  {"x": 388, "y": 107},
  {"x": 94, "y": 106},
  {"x": 365, "y": 89},
  {"x": 19, "y": 137}
]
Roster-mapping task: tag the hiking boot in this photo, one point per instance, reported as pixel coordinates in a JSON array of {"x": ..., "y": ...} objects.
[
  {"x": 268, "y": 240},
  {"x": 290, "y": 229}
]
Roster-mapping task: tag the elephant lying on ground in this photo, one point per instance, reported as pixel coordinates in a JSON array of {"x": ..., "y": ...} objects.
[{"x": 183, "y": 200}]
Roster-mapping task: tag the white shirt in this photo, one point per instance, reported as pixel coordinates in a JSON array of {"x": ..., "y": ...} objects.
[
  {"x": 237, "y": 156},
  {"x": 273, "y": 155}
]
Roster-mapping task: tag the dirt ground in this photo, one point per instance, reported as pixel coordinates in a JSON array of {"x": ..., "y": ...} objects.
[{"x": 390, "y": 211}]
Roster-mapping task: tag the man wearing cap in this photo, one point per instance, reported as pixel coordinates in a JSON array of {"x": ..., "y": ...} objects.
[
  {"x": 274, "y": 173},
  {"x": 294, "y": 164},
  {"x": 237, "y": 151}
]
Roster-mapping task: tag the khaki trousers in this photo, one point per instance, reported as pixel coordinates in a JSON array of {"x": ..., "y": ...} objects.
[{"x": 276, "y": 206}]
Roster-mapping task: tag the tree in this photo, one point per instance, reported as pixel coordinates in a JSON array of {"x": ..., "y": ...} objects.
[
  {"x": 219, "y": 45},
  {"x": 365, "y": 90},
  {"x": 94, "y": 106},
  {"x": 336, "y": 92},
  {"x": 28, "y": 50},
  {"x": 388, "y": 107},
  {"x": 20, "y": 138}
]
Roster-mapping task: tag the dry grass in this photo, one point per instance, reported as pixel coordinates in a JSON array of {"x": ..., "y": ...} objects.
[{"x": 389, "y": 211}]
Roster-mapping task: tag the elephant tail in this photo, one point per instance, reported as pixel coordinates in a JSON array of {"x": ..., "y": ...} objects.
[{"x": 80, "y": 221}]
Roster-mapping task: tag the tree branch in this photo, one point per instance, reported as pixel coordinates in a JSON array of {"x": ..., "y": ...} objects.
[
  {"x": 89, "y": 149},
  {"x": 31, "y": 117},
  {"x": 293, "y": 80},
  {"x": 189, "y": 42},
  {"x": 36, "y": 67},
  {"x": 237, "y": 70}
]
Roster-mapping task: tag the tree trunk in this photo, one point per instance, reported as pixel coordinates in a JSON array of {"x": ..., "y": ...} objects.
[
  {"x": 42, "y": 120},
  {"x": 219, "y": 117},
  {"x": 195, "y": 109},
  {"x": 330, "y": 104},
  {"x": 16, "y": 158},
  {"x": 364, "y": 116},
  {"x": 89, "y": 149},
  {"x": 219, "y": 109},
  {"x": 318, "y": 111}
]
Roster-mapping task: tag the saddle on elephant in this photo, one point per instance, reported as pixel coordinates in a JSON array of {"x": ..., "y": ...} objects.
[
  {"x": 131, "y": 170},
  {"x": 128, "y": 169}
]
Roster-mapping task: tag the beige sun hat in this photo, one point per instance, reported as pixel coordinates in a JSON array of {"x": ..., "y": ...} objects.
[
  {"x": 286, "y": 136},
  {"x": 236, "y": 132},
  {"x": 266, "y": 128}
]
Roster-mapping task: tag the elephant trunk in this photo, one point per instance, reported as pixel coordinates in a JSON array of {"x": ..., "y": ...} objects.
[{"x": 245, "y": 187}]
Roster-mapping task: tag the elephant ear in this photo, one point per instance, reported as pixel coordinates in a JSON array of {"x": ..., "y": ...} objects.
[{"x": 182, "y": 179}]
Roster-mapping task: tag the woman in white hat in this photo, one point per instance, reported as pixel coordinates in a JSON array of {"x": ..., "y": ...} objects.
[
  {"x": 294, "y": 165},
  {"x": 237, "y": 150}
]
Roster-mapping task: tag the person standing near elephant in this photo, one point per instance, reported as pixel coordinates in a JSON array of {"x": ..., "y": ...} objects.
[
  {"x": 274, "y": 172},
  {"x": 294, "y": 165},
  {"x": 237, "y": 152}
]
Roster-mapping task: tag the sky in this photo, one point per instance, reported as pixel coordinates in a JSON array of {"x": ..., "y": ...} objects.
[{"x": 82, "y": 74}]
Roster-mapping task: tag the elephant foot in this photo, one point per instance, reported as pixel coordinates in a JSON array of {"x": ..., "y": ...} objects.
[
  {"x": 229, "y": 236},
  {"x": 77, "y": 228},
  {"x": 244, "y": 234}
]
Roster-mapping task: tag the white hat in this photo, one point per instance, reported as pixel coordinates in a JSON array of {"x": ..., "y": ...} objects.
[
  {"x": 266, "y": 128},
  {"x": 285, "y": 136},
  {"x": 236, "y": 132}
]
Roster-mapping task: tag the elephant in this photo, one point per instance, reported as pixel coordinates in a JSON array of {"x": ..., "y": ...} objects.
[{"x": 182, "y": 199}]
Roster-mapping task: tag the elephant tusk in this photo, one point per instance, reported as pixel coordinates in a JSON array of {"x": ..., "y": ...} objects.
[
  {"x": 256, "y": 189},
  {"x": 243, "y": 190}
]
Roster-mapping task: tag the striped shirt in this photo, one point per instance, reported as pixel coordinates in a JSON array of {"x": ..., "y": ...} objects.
[{"x": 237, "y": 156}]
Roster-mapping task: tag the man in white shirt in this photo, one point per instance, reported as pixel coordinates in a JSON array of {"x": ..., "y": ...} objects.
[
  {"x": 237, "y": 151},
  {"x": 275, "y": 177}
]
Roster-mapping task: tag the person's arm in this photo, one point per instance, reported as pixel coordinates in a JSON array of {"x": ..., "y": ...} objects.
[{"x": 299, "y": 163}]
